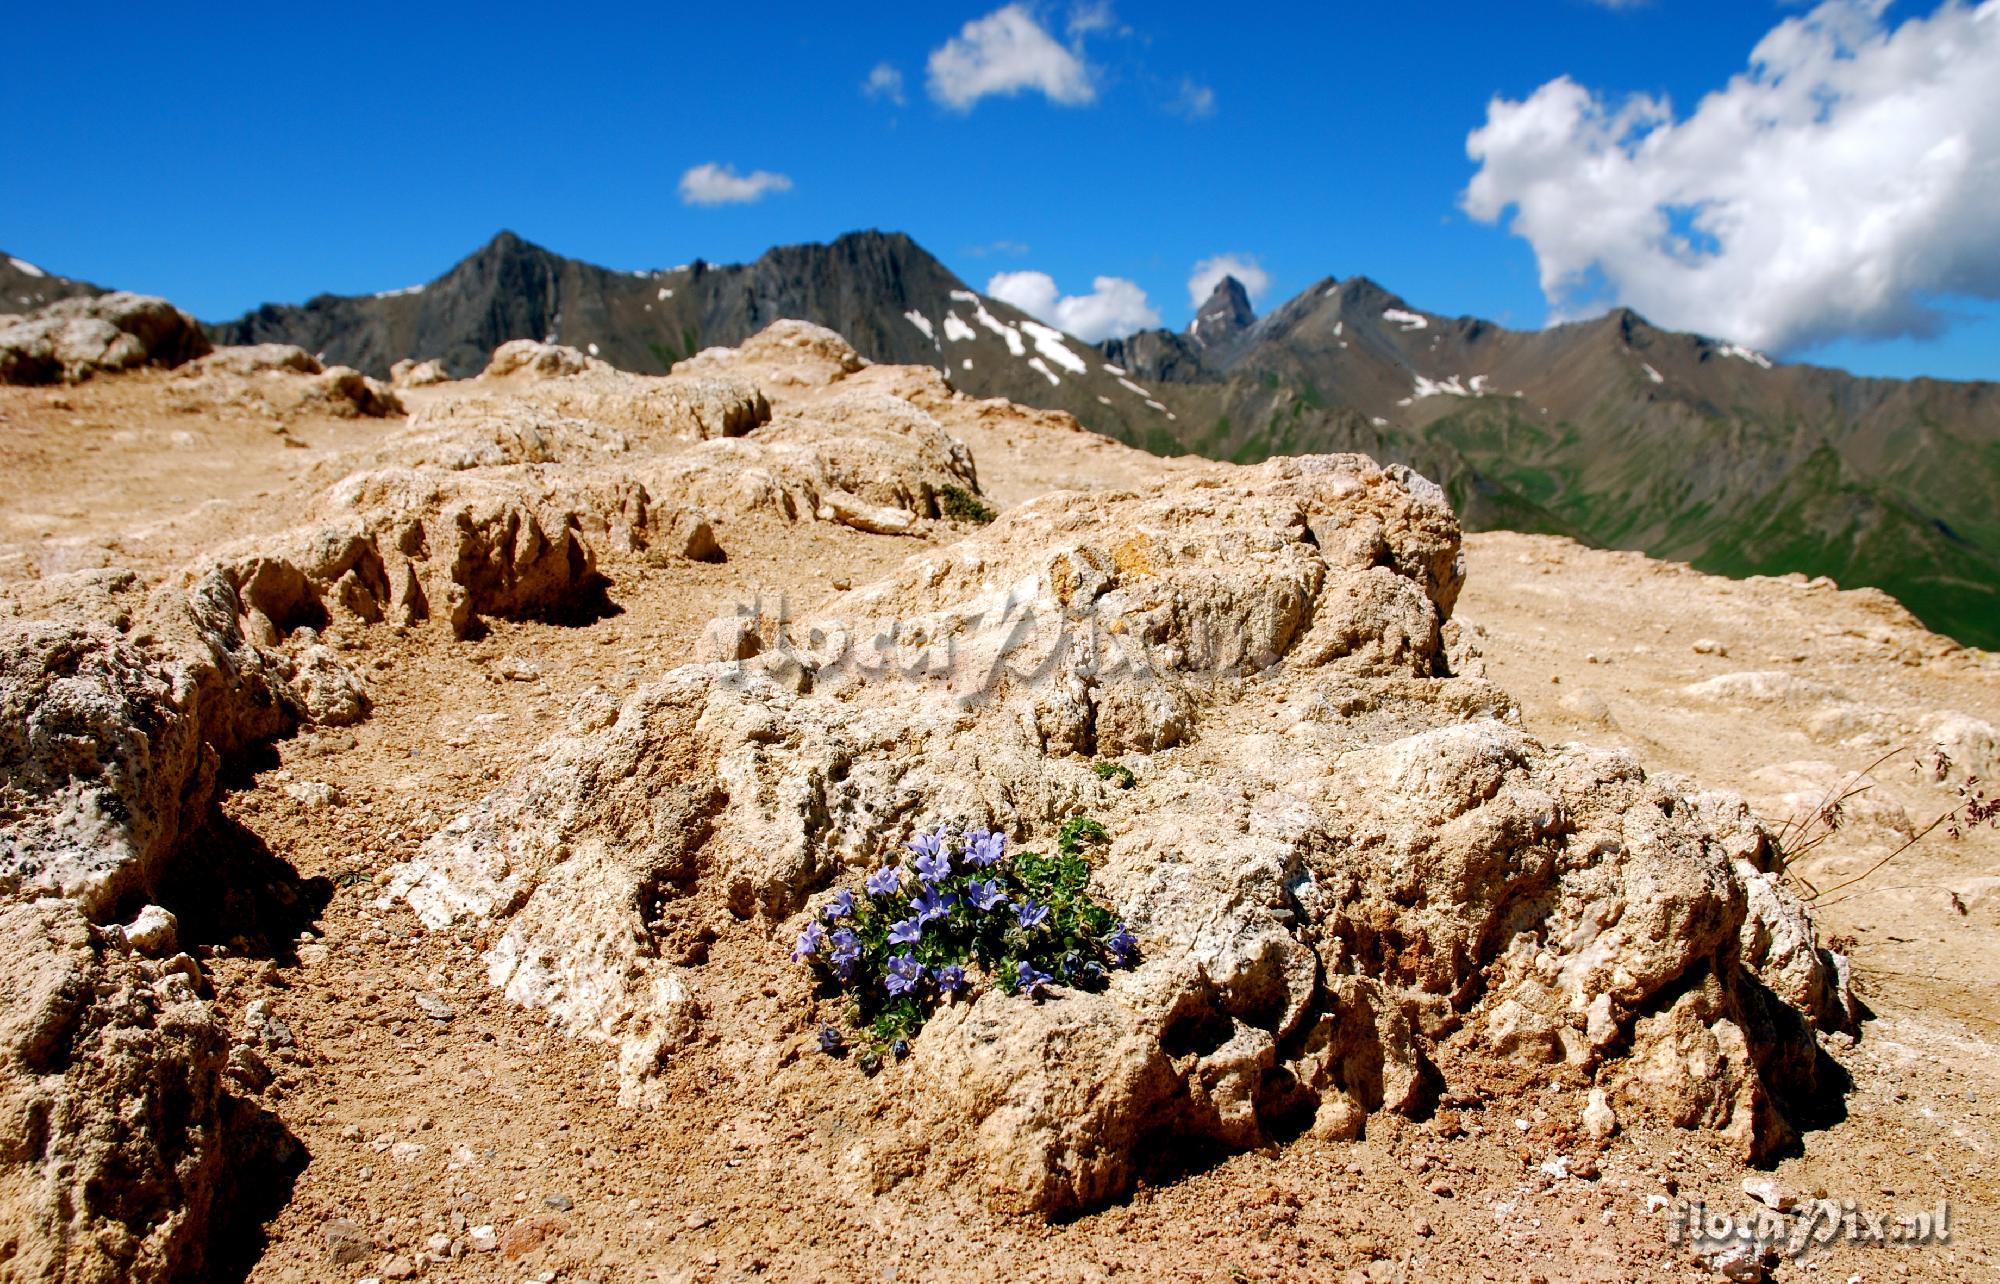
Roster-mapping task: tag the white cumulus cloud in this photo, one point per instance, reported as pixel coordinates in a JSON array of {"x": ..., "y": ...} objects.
[
  {"x": 1208, "y": 273},
  {"x": 884, "y": 81},
  {"x": 1114, "y": 308},
  {"x": 1842, "y": 185},
  {"x": 713, "y": 184},
  {"x": 1034, "y": 293},
  {"x": 1007, "y": 52}
]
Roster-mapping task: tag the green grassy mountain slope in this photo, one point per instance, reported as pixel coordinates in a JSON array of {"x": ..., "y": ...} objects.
[{"x": 1621, "y": 434}]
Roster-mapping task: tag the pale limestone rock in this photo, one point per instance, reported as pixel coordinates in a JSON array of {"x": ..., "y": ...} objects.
[
  {"x": 796, "y": 353},
  {"x": 1971, "y": 744},
  {"x": 342, "y": 390},
  {"x": 72, "y": 339},
  {"x": 410, "y": 373},
  {"x": 254, "y": 359},
  {"x": 1599, "y": 1120},
  {"x": 527, "y": 359},
  {"x": 875, "y": 519},
  {"x": 1312, "y": 892},
  {"x": 118, "y": 1062},
  {"x": 154, "y": 932}
]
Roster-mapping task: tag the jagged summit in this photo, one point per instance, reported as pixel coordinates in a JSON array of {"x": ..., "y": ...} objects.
[
  {"x": 25, "y": 287},
  {"x": 1225, "y": 317}
]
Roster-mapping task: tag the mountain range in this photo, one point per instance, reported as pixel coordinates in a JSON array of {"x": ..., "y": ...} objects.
[
  {"x": 1611, "y": 431},
  {"x": 891, "y": 300},
  {"x": 25, "y": 287}
]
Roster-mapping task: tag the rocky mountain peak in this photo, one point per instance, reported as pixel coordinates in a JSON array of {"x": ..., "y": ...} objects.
[
  {"x": 25, "y": 287},
  {"x": 1226, "y": 315}
]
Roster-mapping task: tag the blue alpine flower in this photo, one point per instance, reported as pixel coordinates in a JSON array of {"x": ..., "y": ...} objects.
[
  {"x": 809, "y": 942},
  {"x": 927, "y": 844},
  {"x": 984, "y": 847},
  {"x": 884, "y": 881},
  {"x": 934, "y": 867},
  {"x": 985, "y": 896},
  {"x": 1028, "y": 979},
  {"x": 931, "y": 903},
  {"x": 950, "y": 979},
  {"x": 830, "y": 1041},
  {"x": 1031, "y": 915},
  {"x": 905, "y": 974},
  {"x": 1122, "y": 945},
  {"x": 840, "y": 906},
  {"x": 906, "y": 932}
]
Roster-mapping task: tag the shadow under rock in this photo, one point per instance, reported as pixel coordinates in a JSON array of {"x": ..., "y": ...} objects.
[
  {"x": 265, "y": 1162},
  {"x": 227, "y": 887},
  {"x": 591, "y": 603}
]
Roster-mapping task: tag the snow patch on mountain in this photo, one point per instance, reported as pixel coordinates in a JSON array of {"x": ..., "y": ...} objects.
[
  {"x": 1448, "y": 387},
  {"x": 1049, "y": 342},
  {"x": 993, "y": 323}
]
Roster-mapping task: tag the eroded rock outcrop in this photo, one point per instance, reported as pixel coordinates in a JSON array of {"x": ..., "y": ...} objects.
[
  {"x": 411, "y": 373},
  {"x": 119, "y": 705},
  {"x": 502, "y": 500},
  {"x": 282, "y": 380},
  {"x": 114, "y": 1102},
  {"x": 73, "y": 339},
  {"x": 550, "y": 384},
  {"x": 788, "y": 353},
  {"x": 1355, "y": 882},
  {"x": 551, "y": 461}
]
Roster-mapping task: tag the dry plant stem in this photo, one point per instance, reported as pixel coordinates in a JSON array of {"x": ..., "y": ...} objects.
[
  {"x": 1825, "y": 812},
  {"x": 1912, "y": 842}
]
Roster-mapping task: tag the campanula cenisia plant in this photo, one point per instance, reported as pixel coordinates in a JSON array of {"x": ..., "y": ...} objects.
[{"x": 911, "y": 939}]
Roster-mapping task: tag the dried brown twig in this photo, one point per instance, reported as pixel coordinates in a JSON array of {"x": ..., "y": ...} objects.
[{"x": 1802, "y": 833}]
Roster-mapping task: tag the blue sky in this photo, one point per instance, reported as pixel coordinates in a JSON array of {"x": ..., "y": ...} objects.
[{"x": 224, "y": 162}]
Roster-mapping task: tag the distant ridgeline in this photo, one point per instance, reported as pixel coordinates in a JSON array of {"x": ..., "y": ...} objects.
[{"x": 1611, "y": 431}]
